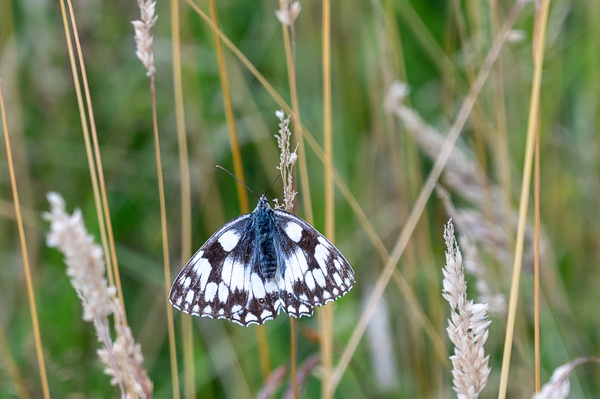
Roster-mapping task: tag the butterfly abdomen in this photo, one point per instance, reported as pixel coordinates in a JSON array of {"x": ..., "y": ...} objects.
[{"x": 266, "y": 261}]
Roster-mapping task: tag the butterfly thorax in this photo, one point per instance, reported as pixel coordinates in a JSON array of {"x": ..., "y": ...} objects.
[{"x": 265, "y": 256}]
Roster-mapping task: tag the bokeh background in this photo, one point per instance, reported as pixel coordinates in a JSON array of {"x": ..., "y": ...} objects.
[{"x": 437, "y": 48}]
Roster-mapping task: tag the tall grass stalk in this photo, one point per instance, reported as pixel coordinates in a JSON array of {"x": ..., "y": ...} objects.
[
  {"x": 113, "y": 263},
  {"x": 287, "y": 14},
  {"x": 287, "y": 160},
  {"x": 533, "y": 126},
  {"x": 144, "y": 52},
  {"x": 26, "y": 266},
  {"x": 326, "y": 313},
  {"x": 536, "y": 261},
  {"x": 186, "y": 206},
  {"x": 88, "y": 146}
]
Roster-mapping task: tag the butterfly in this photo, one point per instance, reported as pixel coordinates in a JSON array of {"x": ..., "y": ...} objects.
[{"x": 259, "y": 264}]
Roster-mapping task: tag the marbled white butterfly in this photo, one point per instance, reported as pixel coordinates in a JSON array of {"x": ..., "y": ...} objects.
[{"x": 258, "y": 264}]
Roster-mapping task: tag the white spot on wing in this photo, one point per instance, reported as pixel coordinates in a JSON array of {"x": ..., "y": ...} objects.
[
  {"x": 189, "y": 297},
  {"x": 186, "y": 282},
  {"x": 207, "y": 309},
  {"x": 303, "y": 309},
  {"x": 210, "y": 292},
  {"x": 202, "y": 269},
  {"x": 236, "y": 308},
  {"x": 321, "y": 255},
  {"x": 337, "y": 278},
  {"x": 250, "y": 317},
  {"x": 319, "y": 277},
  {"x": 229, "y": 240},
  {"x": 294, "y": 231},
  {"x": 223, "y": 292},
  {"x": 237, "y": 277},
  {"x": 226, "y": 272},
  {"x": 196, "y": 308},
  {"x": 266, "y": 313},
  {"x": 310, "y": 281},
  {"x": 258, "y": 287}
]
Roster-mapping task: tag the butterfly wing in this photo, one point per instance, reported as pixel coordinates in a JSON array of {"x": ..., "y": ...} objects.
[
  {"x": 220, "y": 280},
  {"x": 312, "y": 270}
]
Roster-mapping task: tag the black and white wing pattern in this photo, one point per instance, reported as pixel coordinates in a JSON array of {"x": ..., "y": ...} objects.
[
  {"x": 258, "y": 264},
  {"x": 312, "y": 270}
]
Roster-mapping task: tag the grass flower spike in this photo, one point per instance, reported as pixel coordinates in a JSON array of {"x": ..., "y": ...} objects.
[
  {"x": 85, "y": 267},
  {"x": 467, "y": 327}
]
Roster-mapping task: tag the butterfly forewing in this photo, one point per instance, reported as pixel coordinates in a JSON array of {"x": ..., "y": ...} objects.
[{"x": 226, "y": 279}]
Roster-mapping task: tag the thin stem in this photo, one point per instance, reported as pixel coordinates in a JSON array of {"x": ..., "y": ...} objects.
[
  {"x": 536, "y": 252},
  {"x": 532, "y": 127},
  {"x": 28, "y": 280},
  {"x": 326, "y": 312},
  {"x": 186, "y": 207},
  {"x": 165, "y": 245},
  {"x": 112, "y": 259}
]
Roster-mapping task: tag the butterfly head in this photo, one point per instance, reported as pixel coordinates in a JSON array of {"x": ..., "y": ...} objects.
[{"x": 263, "y": 203}]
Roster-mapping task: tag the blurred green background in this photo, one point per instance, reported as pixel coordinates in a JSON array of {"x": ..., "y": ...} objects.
[{"x": 434, "y": 46}]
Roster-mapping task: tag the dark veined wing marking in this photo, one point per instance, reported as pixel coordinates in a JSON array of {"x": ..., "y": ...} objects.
[{"x": 258, "y": 264}]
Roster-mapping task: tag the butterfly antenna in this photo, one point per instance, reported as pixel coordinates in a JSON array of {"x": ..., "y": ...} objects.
[
  {"x": 239, "y": 181},
  {"x": 274, "y": 181}
]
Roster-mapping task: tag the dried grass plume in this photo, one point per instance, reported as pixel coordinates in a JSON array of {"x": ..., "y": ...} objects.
[
  {"x": 467, "y": 327},
  {"x": 287, "y": 160},
  {"x": 143, "y": 38},
  {"x": 85, "y": 267}
]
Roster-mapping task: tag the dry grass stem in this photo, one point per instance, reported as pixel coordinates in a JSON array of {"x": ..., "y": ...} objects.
[
  {"x": 287, "y": 160},
  {"x": 143, "y": 38},
  {"x": 558, "y": 387},
  {"x": 86, "y": 270},
  {"x": 467, "y": 327}
]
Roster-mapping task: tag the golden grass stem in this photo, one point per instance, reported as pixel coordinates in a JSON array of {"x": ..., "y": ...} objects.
[
  {"x": 405, "y": 234},
  {"x": 532, "y": 128},
  {"x": 536, "y": 252},
  {"x": 186, "y": 206},
  {"x": 289, "y": 45},
  {"x": 326, "y": 312},
  {"x": 165, "y": 244},
  {"x": 88, "y": 145},
  {"x": 27, "y": 267},
  {"x": 293, "y": 357},
  {"x": 111, "y": 261},
  {"x": 238, "y": 168}
]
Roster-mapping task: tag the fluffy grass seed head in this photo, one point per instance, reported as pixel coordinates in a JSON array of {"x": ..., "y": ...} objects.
[
  {"x": 467, "y": 327},
  {"x": 143, "y": 38},
  {"x": 86, "y": 270},
  {"x": 288, "y": 12},
  {"x": 287, "y": 160}
]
